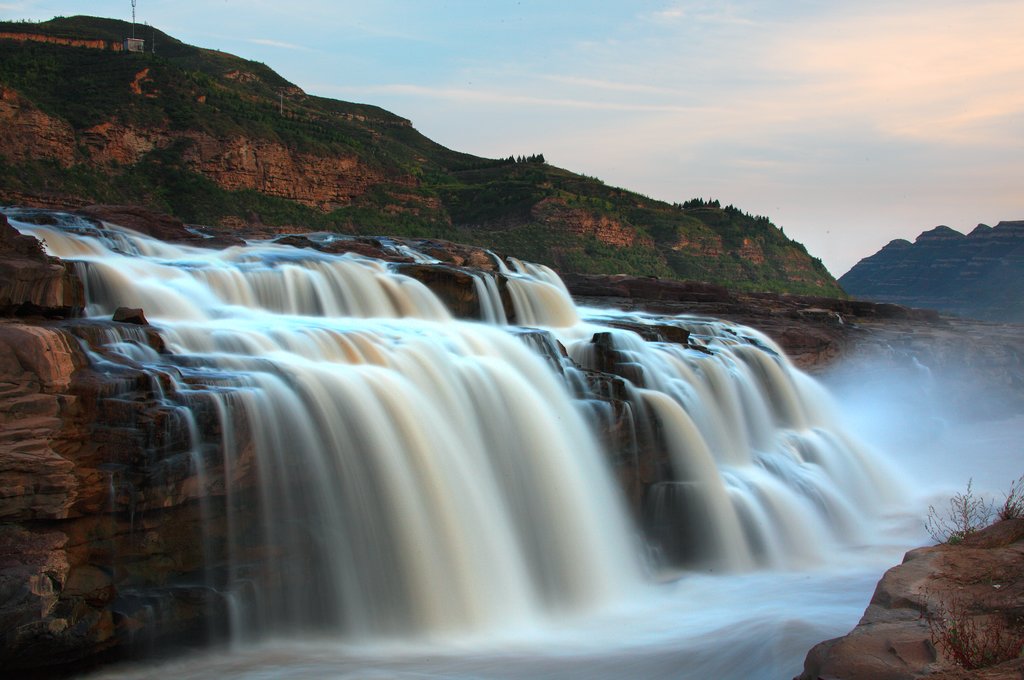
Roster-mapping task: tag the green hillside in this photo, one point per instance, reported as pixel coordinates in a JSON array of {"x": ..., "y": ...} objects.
[{"x": 215, "y": 139}]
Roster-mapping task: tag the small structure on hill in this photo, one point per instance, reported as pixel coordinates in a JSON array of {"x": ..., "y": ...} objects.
[{"x": 134, "y": 44}]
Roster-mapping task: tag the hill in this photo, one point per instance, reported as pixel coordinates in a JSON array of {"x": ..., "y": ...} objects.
[
  {"x": 215, "y": 139},
  {"x": 978, "y": 275}
]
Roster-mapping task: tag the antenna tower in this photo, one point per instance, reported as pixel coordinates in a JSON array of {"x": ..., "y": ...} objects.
[{"x": 133, "y": 18}]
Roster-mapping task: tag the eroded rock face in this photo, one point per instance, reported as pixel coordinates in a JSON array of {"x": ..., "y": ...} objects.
[
  {"x": 100, "y": 518},
  {"x": 555, "y": 211},
  {"x": 28, "y": 133},
  {"x": 103, "y": 503},
  {"x": 325, "y": 182},
  {"x": 981, "y": 579},
  {"x": 31, "y": 282}
]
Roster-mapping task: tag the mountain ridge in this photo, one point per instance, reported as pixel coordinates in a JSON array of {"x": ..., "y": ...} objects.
[
  {"x": 977, "y": 275},
  {"x": 212, "y": 138}
]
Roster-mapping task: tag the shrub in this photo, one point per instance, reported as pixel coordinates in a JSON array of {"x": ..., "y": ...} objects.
[
  {"x": 972, "y": 641},
  {"x": 966, "y": 514},
  {"x": 1013, "y": 505}
]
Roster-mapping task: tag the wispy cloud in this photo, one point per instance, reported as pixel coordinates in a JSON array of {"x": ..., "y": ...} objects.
[
  {"x": 600, "y": 84},
  {"x": 704, "y": 12},
  {"x": 936, "y": 76},
  {"x": 277, "y": 43},
  {"x": 488, "y": 96}
]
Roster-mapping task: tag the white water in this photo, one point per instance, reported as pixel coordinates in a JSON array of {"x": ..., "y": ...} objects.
[{"x": 442, "y": 506}]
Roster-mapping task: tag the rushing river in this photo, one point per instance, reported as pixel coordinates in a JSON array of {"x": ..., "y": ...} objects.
[{"x": 439, "y": 500}]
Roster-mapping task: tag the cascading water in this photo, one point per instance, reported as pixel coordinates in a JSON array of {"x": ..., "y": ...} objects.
[{"x": 390, "y": 470}]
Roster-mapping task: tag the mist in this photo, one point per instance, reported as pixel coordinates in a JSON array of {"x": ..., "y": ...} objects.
[{"x": 942, "y": 414}]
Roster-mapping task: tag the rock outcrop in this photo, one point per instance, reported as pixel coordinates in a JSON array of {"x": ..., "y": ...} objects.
[
  {"x": 813, "y": 331},
  {"x": 557, "y": 213},
  {"x": 325, "y": 181},
  {"x": 27, "y": 133},
  {"x": 100, "y": 518},
  {"x": 30, "y": 281},
  {"x": 968, "y": 593},
  {"x": 978, "y": 275}
]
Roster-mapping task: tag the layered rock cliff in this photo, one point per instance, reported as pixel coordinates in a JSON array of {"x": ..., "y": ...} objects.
[{"x": 977, "y": 275}]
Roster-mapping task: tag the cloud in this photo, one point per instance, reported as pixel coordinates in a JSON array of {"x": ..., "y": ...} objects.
[
  {"x": 505, "y": 98},
  {"x": 700, "y": 12},
  {"x": 948, "y": 75},
  {"x": 600, "y": 84},
  {"x": 277, "y": 43}
]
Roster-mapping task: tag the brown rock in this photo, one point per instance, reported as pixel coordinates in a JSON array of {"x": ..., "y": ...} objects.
[
  {"x": 981, "y": 578},
  {"x": 27, "y": 134},
  {"x": 112, "y": 143},
  {"x": 32, "y": 282},
  {"x": 454, "y": 286},
  {"x": 556, "y": 212},
  {"x": 325, "y": 182},
  {"x": 133, "y": 315}
]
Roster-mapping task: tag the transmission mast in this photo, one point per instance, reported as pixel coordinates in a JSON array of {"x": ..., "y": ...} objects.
[{"x": 133, "y": 18}]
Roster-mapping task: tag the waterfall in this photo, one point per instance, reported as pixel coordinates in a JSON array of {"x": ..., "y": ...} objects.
[{"x": 391, "y": 470}]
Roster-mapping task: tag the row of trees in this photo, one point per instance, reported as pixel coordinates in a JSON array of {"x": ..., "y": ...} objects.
[{"x": 535, "y": 158}]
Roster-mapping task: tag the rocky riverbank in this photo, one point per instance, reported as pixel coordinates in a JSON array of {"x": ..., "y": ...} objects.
[{"x": 943, "y": 602}]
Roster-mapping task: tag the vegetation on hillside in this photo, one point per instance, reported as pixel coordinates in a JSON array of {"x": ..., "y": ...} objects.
[{"x": 518, "y": 204}]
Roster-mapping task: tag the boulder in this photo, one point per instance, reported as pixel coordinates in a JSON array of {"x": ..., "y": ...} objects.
[
  {"x": 979, "y": 582},
  {"x": 133, "y": 315}
]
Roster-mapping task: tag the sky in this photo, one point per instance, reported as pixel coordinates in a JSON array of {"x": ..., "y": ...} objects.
[{"x": 849, "y": 124}]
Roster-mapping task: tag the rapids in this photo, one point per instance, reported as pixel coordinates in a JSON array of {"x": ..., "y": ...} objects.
[{"x": 434, "y": 496}]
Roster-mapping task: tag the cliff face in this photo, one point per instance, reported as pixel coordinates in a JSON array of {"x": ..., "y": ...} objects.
[
  {"x": 978, "y": 275},
  {"x": 233, "y": 163},
  {"x": 27, "y": 133},
  {"x": 553, "y": 212},
  {"x": 213, "y": 139},
  {"x": 64, "y": 448},
  {"x": 324, "y": 182}
]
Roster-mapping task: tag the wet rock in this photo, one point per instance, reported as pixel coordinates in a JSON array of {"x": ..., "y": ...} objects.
[
  {"x": 456, "y": 287},
  {"x": 157, "y": 225},
  {"x": 457, "y": 254},
  {"x": 32, "y": 283},
  {"x": 133, "y": 315},
  {"x": 813, "y": 331}
]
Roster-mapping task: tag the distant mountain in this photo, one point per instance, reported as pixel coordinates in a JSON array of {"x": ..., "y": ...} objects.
[
  {"x": 979, "y": 275},
  {"x": 215, "y": 139}
]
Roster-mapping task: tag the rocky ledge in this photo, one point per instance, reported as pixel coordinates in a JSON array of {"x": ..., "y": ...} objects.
[
  {"x": 943, "y": 602},
  {"x": 814, "y": 331}
]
